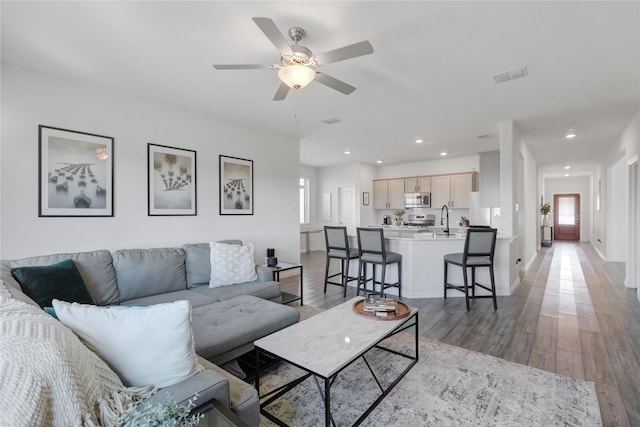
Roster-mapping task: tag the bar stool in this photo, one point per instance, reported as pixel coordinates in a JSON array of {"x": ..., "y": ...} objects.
[
  {"x": 338, "y": 248},
  {"x": 373, "y": 251},
  {"x": 479, "y": 249}
]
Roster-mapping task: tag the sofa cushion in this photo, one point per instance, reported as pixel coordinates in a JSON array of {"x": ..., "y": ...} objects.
[
  {"x": 198, "y": 261},
  {"x": 220, "y": 328},
  {"x": 231, "y": 264},
  {"x": 95, "y": 267},
  {"x": 61, "y": 281},
  {"x": 141, "y": 355},
  {"x": 265, "y": 290},
  {"x": 144, "y": 272},
  {"x": 195, "y": 299}
]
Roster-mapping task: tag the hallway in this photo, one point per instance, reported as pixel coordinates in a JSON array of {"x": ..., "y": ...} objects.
[{"x": 571, "y": 315}]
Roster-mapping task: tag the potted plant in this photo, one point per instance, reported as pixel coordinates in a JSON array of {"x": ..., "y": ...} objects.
[
  {"x": 545, "y": 208},
  {"x": 398, "y": 213},
  {"x": 161, "y": 414}
]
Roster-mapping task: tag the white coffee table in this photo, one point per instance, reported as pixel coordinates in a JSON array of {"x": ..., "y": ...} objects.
[{"x": 326, "y": 343}]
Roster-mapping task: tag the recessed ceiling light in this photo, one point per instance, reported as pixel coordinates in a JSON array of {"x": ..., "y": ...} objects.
[
  {"x": 571, "y": 133},
  {"x": 347, "y": 152},
  {"x": 419, "y": 141},
  {"x": 378, "y": 161},
  {"x": 567, "y": 167},
  {"x": 444, "y": 153},
  {"x": 566, "y": 174}
]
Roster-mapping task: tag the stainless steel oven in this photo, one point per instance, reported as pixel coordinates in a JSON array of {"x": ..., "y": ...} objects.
[{"x": 417, "y": 200}]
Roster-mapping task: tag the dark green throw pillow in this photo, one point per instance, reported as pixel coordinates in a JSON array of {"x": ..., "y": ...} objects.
[{"x": 60, "y": 281}]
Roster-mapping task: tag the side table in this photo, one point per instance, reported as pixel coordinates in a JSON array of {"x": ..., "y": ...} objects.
[
  {"x": 285, "y": 266},
  {"x": 546, "y": 235}
]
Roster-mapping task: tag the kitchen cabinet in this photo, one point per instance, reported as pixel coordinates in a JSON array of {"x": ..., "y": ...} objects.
[
  {"x": 452, "y": 190},
  {"x": 388, "y": 194},
  {"x": 421, "y": 184}
]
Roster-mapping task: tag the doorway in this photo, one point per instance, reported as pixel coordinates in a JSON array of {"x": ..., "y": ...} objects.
[
  {"x": 566, "y": 217},
  {"x": 347, "y": 214}
]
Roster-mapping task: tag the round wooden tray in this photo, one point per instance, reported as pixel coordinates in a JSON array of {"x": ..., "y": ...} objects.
[{"x": 403, "y": 311}]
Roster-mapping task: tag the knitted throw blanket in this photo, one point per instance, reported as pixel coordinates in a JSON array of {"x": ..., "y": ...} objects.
[{"x": 49, "y": 378}]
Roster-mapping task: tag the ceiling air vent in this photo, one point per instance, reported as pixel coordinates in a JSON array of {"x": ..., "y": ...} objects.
[
  {"x": 331, "y": 121},
  {"x": 505, "y": 76}
]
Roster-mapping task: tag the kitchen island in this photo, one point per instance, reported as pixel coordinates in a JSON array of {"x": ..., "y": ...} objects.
[{"x": 423, "y": 263}]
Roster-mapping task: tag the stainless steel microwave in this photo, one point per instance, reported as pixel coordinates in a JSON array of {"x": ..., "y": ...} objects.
[{"x": 417, "y": 200}]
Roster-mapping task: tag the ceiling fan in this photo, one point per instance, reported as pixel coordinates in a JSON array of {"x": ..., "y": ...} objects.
[{"x": 298, "y": 64}]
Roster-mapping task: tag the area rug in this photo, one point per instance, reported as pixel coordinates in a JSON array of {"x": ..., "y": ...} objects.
[{"x": 449, "y": 386}]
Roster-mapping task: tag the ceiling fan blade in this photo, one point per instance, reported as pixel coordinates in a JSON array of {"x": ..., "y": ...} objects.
[
  {"x": 281, "y": 93},
  {"x": 270, "y": 30},
  {"x": 346, "y": 52},
  {"x": 334, "y": 83},
  {"x": 244, "y": 67}
]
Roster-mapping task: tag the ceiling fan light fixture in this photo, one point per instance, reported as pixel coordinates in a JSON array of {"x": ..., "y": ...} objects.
[{"x": 296, "y": 76}]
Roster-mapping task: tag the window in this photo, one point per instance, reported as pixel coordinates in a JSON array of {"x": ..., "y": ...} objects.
[{"x": 304, "y": 201}]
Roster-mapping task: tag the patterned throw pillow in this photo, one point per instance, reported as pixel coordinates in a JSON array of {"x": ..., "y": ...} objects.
[{"x": 231, "y": 264}]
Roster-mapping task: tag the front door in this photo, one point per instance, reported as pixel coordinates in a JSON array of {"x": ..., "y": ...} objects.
[{"x": 566, "y": 217}]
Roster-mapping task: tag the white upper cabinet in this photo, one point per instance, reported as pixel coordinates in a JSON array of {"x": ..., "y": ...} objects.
[
  {"x": 388, "y": 194},
  {"x": 421, "y": 184},
  {"x": 452, "y": 190}
]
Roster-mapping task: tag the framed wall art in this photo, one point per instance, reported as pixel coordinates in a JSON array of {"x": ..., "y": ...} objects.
[
  {"x": 171, "y": 181},
  {"x": 75, "y": 173},
  {"x": 236, "y": 186}
]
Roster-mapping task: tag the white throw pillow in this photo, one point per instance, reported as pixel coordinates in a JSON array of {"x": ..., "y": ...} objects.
[
  {"x": 231, "y": 264},
  {"x": 150, "y": 345}
]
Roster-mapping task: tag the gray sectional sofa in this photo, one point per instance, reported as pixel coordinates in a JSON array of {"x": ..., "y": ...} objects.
[{"x": 226, "y": 320}]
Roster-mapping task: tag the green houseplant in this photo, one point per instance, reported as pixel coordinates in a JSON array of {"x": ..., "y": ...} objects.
[
  {"x": 161, "y": 414},
  {"x": 545, "y": 208},
  {"x": 398, "y": 213}
]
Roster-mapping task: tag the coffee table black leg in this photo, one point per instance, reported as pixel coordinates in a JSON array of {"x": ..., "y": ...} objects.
[
  {"x": 257, "y": 372},
  {"x": 327, "y": 402},
  {"x": 301, "y": 285}
]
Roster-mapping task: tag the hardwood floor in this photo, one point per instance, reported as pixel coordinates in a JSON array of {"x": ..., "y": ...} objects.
[{"x": 571, "y": 315}]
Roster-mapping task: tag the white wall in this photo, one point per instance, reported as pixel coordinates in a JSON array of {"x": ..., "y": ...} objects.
[
  {"x": 599, "y": 191},
  {"x": 617, "y": 223},
  {"x": 30, "y": 99},
  {"x": 623, "y": 149},
  {"x": 311, "y": 173},
  {"x": 529, "y": 208},
  {"x": 332, "y": 177},
  {"x": 367, "y": 213},
  {"x": 571, "y": 185}
]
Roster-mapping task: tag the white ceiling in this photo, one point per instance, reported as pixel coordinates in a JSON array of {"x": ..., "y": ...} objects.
[{"x": 428, "y": 78}]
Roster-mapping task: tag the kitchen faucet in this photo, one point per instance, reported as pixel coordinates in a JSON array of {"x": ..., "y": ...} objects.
[{"x": 446, "y": 230}]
